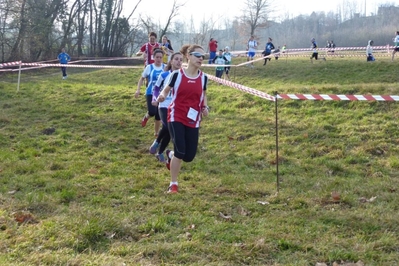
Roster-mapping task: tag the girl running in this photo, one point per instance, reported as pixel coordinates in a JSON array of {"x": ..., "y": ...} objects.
[
  {"x": 151, "y": 71},
  {"x": 163, "y": 138},
  {"x": 189, "y": 104}
]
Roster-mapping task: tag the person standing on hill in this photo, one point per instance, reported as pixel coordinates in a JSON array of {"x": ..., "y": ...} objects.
[
  {"x": 314, "y": 48},
  {"x": 213, "y": 47},
  {"x": 167, "y": 49},
  {"x": 369, "y": 51},
  {"x": 188, "y": 106},
  {"x": 64, "y": 58},
  {"x": 396, "y": 45}
]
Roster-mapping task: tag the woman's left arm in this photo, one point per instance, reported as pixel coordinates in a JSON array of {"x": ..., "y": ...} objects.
[{"x": 205, "y": 108}]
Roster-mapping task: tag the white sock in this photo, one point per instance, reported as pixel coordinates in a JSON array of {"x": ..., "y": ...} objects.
[{"x": 173, "y": 183}]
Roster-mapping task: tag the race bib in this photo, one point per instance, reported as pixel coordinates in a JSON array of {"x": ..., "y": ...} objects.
[{"x": 192, "y": 114}]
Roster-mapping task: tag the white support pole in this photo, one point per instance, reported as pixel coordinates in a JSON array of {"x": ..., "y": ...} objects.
[{"x": 19, "y": 75}]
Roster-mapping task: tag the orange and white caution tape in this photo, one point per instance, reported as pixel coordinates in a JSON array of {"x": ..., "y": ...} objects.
[
  {"x": 338, "y": 97},
  {"x": 243, "y": 88}
]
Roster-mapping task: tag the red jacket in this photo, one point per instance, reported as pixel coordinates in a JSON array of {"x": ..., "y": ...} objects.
[{"x": 213, "y": 46}]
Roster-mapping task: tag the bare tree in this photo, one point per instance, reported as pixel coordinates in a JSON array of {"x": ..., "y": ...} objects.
[
  {"x": 173, "y": 13},
  {"x": 256, "y": 13},
  {"x": 5, "y": 31}
]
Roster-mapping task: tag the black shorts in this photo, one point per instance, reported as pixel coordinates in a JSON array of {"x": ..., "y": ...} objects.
[
  {"x": 219, "y": 73},
  {"x": 396, "y": 49}
]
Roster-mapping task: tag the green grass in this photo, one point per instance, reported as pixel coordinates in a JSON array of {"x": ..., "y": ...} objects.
[{"x": 97, "y": 196}]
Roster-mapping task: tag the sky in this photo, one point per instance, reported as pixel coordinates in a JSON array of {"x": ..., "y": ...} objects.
[{"x": 218, "y": 10}]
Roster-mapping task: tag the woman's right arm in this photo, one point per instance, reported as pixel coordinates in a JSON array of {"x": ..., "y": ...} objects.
[
  {"x": 139, "y": 84},
  {"x": 164, "y": 93}
]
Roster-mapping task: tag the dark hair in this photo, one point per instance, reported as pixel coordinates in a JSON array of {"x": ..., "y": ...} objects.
[
  {"x": 152, "y": 34},
  {"x": 169, "y": 65},
  {"x": 157, "y": 50}
]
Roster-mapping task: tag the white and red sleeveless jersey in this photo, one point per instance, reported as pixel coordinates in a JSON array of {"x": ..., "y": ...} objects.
[{"x": 187, "y": 98}]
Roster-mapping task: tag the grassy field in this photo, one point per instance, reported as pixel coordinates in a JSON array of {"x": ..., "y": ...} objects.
[{"x": 78, "y": 186}]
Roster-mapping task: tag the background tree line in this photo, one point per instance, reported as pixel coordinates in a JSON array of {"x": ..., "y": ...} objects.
[{"x": 35, "y": 30}]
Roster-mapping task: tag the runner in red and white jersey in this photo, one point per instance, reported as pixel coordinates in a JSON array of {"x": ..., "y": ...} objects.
[
  {"x": 187, "y": 93},
  {"x": 147, "y": 49},
  {"x": 189, "y": 104}
]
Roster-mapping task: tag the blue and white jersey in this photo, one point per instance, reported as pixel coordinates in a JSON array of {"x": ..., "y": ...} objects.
[
  {"x": 269, "y": 47},
  {"x": 219, "y": 60},
  {"x": 64, "y": 58},
  {"x": 162, "y": 81},
  {"x": 396, "y": 41},
  {"x": 227, "y": 55},
  {"x": 252, "y": 46},
  {"x": 314, "y": 47},
  {"x": 152, "y": 72}
]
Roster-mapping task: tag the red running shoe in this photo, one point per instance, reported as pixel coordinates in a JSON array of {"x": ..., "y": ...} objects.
[
  {"x": 173, "y": 189},
  {"x": 144, "y": 121}
]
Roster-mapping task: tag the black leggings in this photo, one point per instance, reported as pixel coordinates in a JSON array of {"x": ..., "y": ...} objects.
[
  {"x": 163, "y": 135},
  {"x": 267, "y": 58},
  {"x": 185, "y": 140},
  {"x": 152, "y": 110}
]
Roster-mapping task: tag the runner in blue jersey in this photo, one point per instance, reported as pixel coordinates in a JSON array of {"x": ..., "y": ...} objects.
[
  {"x": 151, "y": 71},
  {"x": 268, "y": 50},
  {"x": 315, "y": 50},
  {"x": 64, "y": 58}
]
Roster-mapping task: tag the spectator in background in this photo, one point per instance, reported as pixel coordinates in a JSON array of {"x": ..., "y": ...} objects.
[
  {"x": 330, "y": 47},
  {"x": 369, "y": 51},
  {"x": 213, "y": 47},
  {"x": 64, "y": 58},
  {"x": 167, "y": 49}
]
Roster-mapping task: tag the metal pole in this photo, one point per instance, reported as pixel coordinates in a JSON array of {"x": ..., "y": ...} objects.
[{"x": 277, "y": 157}]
